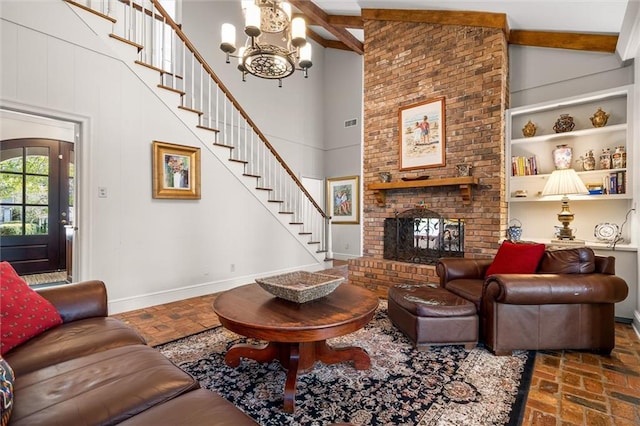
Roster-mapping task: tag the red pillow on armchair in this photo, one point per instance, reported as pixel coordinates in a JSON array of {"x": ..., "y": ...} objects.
[
  {"x": 516, "y": 258},
  {"x": 23, "y": 312}
]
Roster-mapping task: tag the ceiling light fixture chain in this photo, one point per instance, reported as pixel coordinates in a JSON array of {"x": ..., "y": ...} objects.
[{"x": 276, "y": 44}]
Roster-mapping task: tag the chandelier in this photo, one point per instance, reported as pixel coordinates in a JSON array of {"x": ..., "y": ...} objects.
[{"x": 276, "y": 44}]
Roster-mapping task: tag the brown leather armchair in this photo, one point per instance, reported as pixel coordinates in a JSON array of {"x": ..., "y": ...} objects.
[{"x": 567, "y": 304}]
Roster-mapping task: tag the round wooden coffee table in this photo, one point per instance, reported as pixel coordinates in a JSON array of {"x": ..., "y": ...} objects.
[{"x": 296, "y": 332}]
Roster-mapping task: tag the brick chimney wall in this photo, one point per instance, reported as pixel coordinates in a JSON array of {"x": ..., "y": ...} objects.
[{"x": 406, "y": 63}]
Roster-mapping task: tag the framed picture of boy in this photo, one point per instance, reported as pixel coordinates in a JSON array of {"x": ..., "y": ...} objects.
[{"x": 422, "y": 135}]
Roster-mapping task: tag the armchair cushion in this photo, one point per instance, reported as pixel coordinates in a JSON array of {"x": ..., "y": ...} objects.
[
  {"x": 513, "y": 258},
  {"x": 23, "y": 312}
]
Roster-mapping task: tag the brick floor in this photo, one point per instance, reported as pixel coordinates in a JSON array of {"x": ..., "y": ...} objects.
[{"x": 567, "y": 387}]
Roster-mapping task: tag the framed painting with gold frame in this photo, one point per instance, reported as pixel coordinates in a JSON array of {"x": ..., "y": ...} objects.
[
  {"x": 343, "y": 199},
  {"x": 176, "y": 171},
  {"x": 422, "y": 135}
]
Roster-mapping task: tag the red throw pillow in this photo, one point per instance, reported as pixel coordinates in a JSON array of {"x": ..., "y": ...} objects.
[
  {"x": 23, "y": 312},
  {"x": 513, "y": 258}
]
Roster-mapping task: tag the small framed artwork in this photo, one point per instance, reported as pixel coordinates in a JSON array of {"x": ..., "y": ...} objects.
[
  {"x": 343, "y": 199},
  {"x": 422, "y": 135},
  {"x": 176, "y": 171}
]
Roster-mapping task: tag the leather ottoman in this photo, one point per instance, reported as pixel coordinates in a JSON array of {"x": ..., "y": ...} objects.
[{"x": 431, "y": 316}]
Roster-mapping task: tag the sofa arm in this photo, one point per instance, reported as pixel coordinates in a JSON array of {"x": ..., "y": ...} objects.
[
  {"x": 79, "y": 300},
  {"x": 453, "y": 268},
  {"x": 542, "y": 289}
]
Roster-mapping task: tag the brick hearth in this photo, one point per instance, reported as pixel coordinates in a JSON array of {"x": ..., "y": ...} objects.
[{"x": 407, "y": 63}]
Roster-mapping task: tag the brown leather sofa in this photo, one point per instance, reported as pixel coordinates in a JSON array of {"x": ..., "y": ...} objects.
[
  {"x": 95, "y": 370},
  {"x": 567, "y": 304}
]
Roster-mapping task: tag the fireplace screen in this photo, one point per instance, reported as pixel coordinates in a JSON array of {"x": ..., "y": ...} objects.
[{"x": 422, "y": 236}]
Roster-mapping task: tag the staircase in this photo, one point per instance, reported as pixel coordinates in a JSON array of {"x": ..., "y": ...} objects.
[{"x": 154, "y": 47}]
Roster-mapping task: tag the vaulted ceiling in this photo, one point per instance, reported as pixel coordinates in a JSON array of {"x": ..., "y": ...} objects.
[{"x": 588, "y": 25}]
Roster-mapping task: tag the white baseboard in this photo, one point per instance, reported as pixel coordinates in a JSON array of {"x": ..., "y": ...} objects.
[{"x": 118, "y": 306}]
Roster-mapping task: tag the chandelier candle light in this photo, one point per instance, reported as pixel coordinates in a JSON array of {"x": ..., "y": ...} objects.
[
  {"x": 565, "y": 182},
  {"x": 276, "y": 45}
]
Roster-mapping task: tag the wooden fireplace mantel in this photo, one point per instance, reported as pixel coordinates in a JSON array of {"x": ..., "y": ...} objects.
[{"x": 465, "y": 184}]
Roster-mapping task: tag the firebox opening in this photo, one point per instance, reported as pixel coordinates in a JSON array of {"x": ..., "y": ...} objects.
[{"x": 422, "y": 236}]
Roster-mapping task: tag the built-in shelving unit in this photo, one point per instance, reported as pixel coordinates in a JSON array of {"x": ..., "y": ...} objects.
[
  {"x": 465, "y": 183},
  {"x": 538, "y": 215}
]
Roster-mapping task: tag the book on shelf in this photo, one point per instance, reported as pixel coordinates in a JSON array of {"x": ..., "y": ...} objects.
[
  {"x": 524, "y": 166},
  {"x": 616, "y": 182}
]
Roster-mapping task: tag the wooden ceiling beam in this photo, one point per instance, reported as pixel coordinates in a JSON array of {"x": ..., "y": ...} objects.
[
  {"x": 560, "y": 40},
  {"x": 444, "y": 17},
  {"x": 346, "y": 21},
  {"x": 320, "y": 17}
]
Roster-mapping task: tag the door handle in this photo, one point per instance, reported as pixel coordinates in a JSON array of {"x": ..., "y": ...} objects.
[{"x": 63, "y": 222}]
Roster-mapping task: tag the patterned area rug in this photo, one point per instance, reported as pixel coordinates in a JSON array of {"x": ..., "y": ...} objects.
[{"x": 444, "y": 386}]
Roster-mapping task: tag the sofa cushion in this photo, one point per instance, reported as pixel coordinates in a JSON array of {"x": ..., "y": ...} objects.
[
  {"x": 578, "y": 260},
  {"x": 516, "y": 258},
  {"x": 23, "y": 312},
  {"x": 6, "y": 391},
  {"x": 200, "y": 407},
  {"x": 71, "y": 340},
  {"x": 103, "y": 388}
]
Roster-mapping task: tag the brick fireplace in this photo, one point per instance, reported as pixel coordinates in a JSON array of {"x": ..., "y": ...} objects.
[{"x": 407, "y": 63}]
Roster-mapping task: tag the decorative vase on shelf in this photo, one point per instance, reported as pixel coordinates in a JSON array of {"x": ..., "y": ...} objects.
[
  {"x": 564, "y": 124},
  {"x": 529, "y": 129},
  {"x": 619, "y": 158},
  {"x": 599, "y": 118},
  {"x": 562, "y": 156},
  {"x": 605, "y": 159},
  {"x": 589, "y": 161}
]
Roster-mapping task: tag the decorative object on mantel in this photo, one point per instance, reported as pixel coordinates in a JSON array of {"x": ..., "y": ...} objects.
[
  {"x": 421, "y": 128},
  {"x": 599, "y": 118},
  {"x": 276, "y": 44},
  {"x": 564, "y": 182},
  {"x": 464, "y": 169},
  {"x": 300, "y": 286},
  {"x": 176, "y": 171},
  {"x": 411, "y": 179},
  {"x": 520, "y": 193},
  {"x": 562, "y": 157},
  {"x": 529, "y": 129},
  {"x": 343, "y": 199},
  {"x": 385, "y": 176},
  {"x": 564, "y": 124}
]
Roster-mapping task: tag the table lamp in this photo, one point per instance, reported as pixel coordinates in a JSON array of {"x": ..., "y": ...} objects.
[{"x": 565, "y": 182}]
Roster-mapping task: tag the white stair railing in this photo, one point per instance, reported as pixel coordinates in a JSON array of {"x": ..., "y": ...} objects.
[{"x": 164, "y": 47}]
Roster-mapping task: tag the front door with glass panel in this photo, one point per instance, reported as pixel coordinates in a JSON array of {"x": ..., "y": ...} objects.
[{"x": 36, "y": 202}]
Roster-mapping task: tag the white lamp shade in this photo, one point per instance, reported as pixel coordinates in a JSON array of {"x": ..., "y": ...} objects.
[
  {"x": 252, "y": 17},
  {"x": 305, "y": 52},
  {"x": 228, "y": 34},
  {"x": 241, "y": 54},
  {"x": 298, "y": 28},
  {"x": 564, "y": 182}
]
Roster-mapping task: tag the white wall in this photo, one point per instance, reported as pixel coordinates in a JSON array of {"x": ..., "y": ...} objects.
[
  {"x": 147, "y": 251},
  {"x": 344, "y": 101}
]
